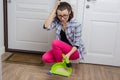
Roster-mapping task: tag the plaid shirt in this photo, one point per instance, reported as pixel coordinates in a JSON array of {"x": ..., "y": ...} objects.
[{"x": 73, "y": 33}]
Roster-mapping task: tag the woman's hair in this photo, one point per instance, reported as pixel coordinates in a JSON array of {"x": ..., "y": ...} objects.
[{"x": 62, "y": 6}]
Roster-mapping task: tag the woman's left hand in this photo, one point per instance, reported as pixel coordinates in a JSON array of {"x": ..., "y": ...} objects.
[
  {"x": 67, "y": 56},
  {"x": 71, "y": 52}
]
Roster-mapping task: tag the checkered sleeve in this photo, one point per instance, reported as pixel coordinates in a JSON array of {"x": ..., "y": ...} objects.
[{"x": 77, "y": 35}]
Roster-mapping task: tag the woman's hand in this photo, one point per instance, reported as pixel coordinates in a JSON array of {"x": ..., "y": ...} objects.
[
  {"x": 71, "y": 52},
  {"x": 51, "y": 16},
  {"x": 67, "y": 56},
  {"x": 57, "y": 3}
]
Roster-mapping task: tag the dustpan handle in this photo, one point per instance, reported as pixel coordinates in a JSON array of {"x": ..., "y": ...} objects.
[{"x": 65, "y": 59}]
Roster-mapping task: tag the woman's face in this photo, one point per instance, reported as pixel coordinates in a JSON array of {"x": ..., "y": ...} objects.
[{"x": 63, "y": 15}]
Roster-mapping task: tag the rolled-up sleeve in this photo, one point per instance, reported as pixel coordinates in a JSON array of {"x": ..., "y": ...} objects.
[{"x": 51, "y": 26}]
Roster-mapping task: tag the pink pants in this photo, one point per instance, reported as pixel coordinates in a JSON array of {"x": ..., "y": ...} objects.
[{"x": 55, "y": 54}]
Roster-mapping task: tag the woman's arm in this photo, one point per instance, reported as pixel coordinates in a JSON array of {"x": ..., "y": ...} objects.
[
  {"x": 51, "y": 16},
  {"x": 71, "y": 52},
  {"x": 77, "y": 37}
]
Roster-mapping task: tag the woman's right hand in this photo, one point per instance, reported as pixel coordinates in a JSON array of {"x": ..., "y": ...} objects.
[
  {"x": 57, "y": 3},
  {"x": 51, "y": 16}
]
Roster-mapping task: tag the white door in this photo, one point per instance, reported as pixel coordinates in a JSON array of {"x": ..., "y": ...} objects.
[
  {"x": 102, "y": 31},
  {"x": 25, "y": 23}
]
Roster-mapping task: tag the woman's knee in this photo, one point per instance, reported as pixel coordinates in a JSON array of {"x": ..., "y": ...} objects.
[
  {"x": 44, "y": 58},
  {"x": 47, "y": 58},
  {"x": 75, "y": 56},
  {"x": 55, "y": 42}
]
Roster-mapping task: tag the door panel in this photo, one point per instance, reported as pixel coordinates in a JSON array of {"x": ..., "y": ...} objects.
[
  {"x": 25, "y": 24},
  {"x": 101, "y": 31}
]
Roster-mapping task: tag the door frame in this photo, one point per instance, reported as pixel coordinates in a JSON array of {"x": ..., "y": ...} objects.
[{"x": 5, "y": 20}]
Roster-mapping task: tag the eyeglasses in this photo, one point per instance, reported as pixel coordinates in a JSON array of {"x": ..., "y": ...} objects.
[{"x": 63, "y": 16}]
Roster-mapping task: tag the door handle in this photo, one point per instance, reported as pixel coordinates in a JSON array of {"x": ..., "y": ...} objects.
[
  {"x": 87, "y": 6},
  {"x": 91, "y": 0},
  {"x": 9, "y": 1}
]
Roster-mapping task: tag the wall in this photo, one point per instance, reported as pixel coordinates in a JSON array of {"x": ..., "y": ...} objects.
[
  {"x": 1, "y": 28},
  {"x": 1, "y": 35}
]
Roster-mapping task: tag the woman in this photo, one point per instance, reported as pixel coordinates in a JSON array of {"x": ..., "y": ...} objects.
[{"x": 68, "y": 34}]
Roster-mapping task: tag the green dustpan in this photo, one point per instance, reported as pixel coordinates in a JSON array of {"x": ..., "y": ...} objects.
[{"x": 60, "y": 68}]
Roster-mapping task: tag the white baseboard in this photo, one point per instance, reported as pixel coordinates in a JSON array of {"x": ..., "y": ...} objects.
[
  {"x": 2, "y": 50},
  {"x": 75, "y": 61}
]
